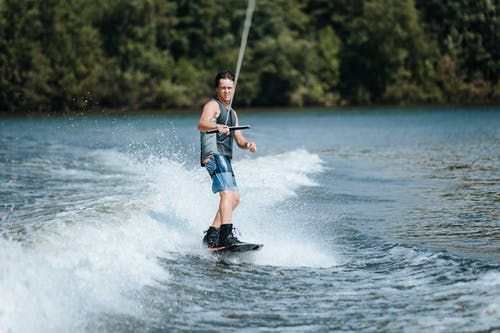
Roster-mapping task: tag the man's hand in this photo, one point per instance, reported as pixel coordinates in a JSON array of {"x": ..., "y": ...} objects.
[
  {"x": 251, "y": 146},
  {"x": 223, "y": 129}
]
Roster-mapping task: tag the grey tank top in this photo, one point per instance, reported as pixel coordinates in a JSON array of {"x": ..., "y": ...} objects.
[{"x": 216, "y": 143}]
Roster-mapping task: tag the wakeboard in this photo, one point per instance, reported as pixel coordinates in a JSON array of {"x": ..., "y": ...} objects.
[{"x": 240, "y": 247}]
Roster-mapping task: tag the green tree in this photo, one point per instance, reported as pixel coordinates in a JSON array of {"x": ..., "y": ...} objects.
[
  {"x": 77, "y": 54},
  {"x": 291, "y": 63},
  {"x": 135, "y": 42},
  {"x": 385, "y": 48},
  {"x": 52, "y": 59},
  {"x": 467, "y": 32}
]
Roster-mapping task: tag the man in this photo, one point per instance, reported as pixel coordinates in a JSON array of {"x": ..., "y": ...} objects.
[{"x": 216, "y": 154}]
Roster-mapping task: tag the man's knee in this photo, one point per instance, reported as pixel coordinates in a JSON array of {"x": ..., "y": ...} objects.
[
  {"x": 225, "y": 195},
  {"x": 236, "y": 198},
  {"x": 231, "y": 196}
]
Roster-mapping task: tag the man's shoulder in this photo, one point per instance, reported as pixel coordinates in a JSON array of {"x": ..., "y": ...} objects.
[
  {"x": 211, "y": 106},
  {"x": 212, "y": 102}
]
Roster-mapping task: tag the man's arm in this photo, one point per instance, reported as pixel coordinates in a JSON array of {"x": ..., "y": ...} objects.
[
  {"x": 241, "y": 141},
  {"x": 208, "y": 115}
]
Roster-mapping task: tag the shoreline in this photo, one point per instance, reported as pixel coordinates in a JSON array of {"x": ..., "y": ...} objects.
[{"x": 105, "y": 112}]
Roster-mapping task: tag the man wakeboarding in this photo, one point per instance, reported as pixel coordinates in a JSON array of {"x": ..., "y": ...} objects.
[{"x": 216, "y": 155}]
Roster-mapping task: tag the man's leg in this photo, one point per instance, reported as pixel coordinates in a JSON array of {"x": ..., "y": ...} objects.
[
  {"x": 229, "y": 200},
  {"x": 224, "y": 184}
]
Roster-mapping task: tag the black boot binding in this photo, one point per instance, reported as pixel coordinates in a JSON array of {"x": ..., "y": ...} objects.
[
  {"x": 211, "y": 238},
  {"x": 226, "y": 236}
]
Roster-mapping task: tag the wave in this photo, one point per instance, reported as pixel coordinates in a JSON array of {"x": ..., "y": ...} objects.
[
  {"x": 184, "y": 201},
  {"x": 89, "y": 261}
]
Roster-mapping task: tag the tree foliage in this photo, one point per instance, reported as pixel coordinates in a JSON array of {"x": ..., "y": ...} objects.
[{"x": 81, "y": 54}]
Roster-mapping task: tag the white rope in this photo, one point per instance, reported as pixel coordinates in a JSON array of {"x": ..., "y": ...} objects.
[{"x": 243, "y": 45}]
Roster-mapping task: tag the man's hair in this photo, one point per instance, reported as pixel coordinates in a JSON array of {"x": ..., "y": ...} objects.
[{"x": 223, "y": 75}]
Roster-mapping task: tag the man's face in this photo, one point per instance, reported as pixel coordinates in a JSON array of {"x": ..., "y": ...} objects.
[{"x": 225, "y": 90}]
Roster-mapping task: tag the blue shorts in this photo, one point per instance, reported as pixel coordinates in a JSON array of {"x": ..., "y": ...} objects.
[{"x": 220, "y": 169}]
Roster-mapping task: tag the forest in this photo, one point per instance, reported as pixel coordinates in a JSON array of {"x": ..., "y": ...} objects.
[{"x": 81, "y": 55}]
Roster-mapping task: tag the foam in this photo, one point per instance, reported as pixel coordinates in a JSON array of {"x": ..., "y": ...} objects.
[
  {"x": 88, "y": 261},
  {"x": 75, "y": 272},
  {"x": 184, "y": 199}
]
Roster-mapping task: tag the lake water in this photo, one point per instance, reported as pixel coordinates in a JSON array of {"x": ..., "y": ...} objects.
[{"x": 372, "y": 220}]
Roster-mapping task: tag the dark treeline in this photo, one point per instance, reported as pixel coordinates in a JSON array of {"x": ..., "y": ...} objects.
[{"x": 86, "y": 54}]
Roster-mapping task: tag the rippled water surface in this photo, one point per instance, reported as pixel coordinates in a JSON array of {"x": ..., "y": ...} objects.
[{"x": 372, "y": 220}]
